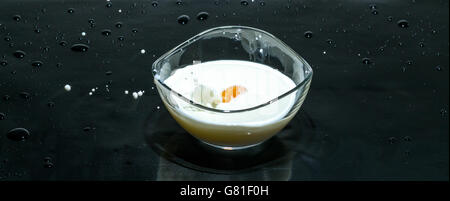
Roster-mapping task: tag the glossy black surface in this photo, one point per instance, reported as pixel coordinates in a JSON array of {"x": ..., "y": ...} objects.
[{"x": 377, "y": 107}]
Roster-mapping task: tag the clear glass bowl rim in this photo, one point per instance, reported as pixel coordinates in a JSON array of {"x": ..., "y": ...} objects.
[{"x": 200, "y": 35}]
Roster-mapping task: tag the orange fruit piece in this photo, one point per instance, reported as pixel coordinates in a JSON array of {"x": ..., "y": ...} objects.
[{"x": 232, "y": 92}]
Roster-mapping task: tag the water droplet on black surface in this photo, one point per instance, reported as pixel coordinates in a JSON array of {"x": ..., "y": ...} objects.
[
  {"x": 183, "y": 19},
  {"x": 6, "y": 97},
  {"x": 109, "y": 5},
  {"x": 47, "y": 159},
  {"x": 71, "y": 10},
  {"x": 438, "y": 68},
  {"x": 409, "y": 62},
  {"x": 262, "y": 3},
  {"x": 366, "y": 61},
  {"x": 373, "y": 6},
  {"x": 25, "y": 95},
  {"x": 119, "y": 24},
  {"x": 19, "y": 54},
  {"x": 63, "y": 43},
  {"x": 87, "y": 129},
  {"x": 8, "y": 38},
  {"x": 17, "y": 18},
  {"x": 37, "y": 63},
  {"x": 3, "y": 62},
  {"x": 443, "y": 112},
  {"x": 121, "y": 38},
  {"x": 375, "y": 11},
  {"x": 59, "y": 65},
  {"x": 51, "y": 104},
  {"x": 134, "y": 30},
  {"x": 407, "y": 139},
  {"x": 48, "y": 164},
  {"x": 91, "y": 21},
  {"x": 392, "y": 140},
  {"x": 390, "y": 18},
  {"x": 421, "y": 44},
  {"x": 106, "y": 32},
  {"x": 179, "y": 2},
  {"x": 154, "y": 3},
  {"x": 244, "y": 3},
  {"x": 308, "y": 34},
  {"x": 2, "y": 116},
  {"x": 202, "y": 16},
  {"x": 329, "y": 41},
  {"x": 80, "y": 47},
  {"x": 403, "y": 23},
  {"x": 18, "y": 134}
]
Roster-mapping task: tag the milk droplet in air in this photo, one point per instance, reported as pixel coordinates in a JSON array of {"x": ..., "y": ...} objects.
[{"x": 67, "y": 87}]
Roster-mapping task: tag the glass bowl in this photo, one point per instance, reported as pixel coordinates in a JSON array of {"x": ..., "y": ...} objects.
[{"x": 237, "y": 43}]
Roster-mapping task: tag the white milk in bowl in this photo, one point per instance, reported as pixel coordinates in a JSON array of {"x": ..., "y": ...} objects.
[{"x": 230, "y": 85}]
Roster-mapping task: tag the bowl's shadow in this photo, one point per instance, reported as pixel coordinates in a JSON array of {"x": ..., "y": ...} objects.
[{"x": 173, "y": 143}]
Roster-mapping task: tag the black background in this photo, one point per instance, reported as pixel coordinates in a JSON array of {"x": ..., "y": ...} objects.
[{"x": 386, "y": 120}]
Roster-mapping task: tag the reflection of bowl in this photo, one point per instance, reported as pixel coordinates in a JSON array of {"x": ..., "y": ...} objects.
[{"x": 233, "y": 43}]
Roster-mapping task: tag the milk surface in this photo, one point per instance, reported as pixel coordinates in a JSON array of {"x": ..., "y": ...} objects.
[{"x": 262, "y": 84}]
